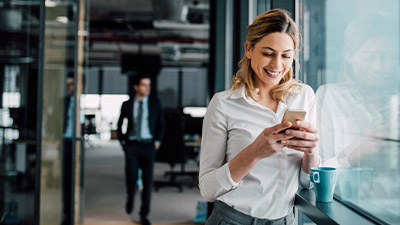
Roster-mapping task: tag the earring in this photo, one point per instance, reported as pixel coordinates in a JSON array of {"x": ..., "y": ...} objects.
[{"x": 248, "y": 56}]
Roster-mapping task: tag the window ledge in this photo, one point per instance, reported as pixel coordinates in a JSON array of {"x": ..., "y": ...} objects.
[{"x": 327, "y": 213}]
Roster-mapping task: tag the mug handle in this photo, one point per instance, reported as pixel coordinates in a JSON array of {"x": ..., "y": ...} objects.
[{"x": 314, "y": 177}]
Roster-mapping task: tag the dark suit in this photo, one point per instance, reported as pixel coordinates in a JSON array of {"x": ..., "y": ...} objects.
[
  {"x": 67, "y": 168},
  {"x": 140, "y": 153}
]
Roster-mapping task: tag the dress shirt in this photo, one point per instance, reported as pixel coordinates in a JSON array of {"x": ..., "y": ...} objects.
[
  {"x": 232, "y": 122},
  {"x": 145, "y": 129},
  {"x": 70, "y": 122}
]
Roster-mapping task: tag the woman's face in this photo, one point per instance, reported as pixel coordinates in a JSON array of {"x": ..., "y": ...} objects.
[
  {"x": 271, "y": 58},
  {"x": 373, "y": 62}
]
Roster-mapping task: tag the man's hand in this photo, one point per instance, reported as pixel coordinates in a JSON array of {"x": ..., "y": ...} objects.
[
  {"x": 123, "y": 145},
  {"x": 156, "y": 145}
]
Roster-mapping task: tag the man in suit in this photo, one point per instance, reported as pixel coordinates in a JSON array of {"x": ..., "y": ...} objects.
[
  {"x": 140, "y": 142},
  {"x": 68, "y": 131}
]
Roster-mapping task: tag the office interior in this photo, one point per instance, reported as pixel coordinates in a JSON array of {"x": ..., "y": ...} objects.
[{"x": 350, "y": 56}]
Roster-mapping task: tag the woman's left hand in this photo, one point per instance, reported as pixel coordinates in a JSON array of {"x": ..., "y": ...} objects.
[{"x": 305, "y": 140}]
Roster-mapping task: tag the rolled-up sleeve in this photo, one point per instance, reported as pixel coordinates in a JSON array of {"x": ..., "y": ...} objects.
[
  {"x": 304, "y": 179},
  {"x": 214, "y": 175}
]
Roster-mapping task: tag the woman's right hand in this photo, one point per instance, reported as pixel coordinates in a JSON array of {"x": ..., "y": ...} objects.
[
  {"x": 266, "y": 144},
  {"x": 269, "y": 140}
]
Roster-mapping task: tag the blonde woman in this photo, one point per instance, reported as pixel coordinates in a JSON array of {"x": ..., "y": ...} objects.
[{"x": 246, "y": 162}]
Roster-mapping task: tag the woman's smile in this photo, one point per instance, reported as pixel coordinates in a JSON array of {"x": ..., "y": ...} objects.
[{"x": 272, "y": 74}]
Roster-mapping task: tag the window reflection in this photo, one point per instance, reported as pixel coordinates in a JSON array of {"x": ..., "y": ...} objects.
[{"x": 358, "y": 98}]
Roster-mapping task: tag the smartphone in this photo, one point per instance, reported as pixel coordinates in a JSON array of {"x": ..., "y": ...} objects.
[{"x": 292, "y": 115}]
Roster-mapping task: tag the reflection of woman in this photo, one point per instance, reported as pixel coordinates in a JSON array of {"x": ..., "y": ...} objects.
[
  {"x": 350, "y": 112},
  {"x": 355, "y": 115},
  {"x": 245, "y": 163}
]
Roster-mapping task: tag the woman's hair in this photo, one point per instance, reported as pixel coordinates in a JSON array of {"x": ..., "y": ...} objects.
[{"x": 276, "y": 20}]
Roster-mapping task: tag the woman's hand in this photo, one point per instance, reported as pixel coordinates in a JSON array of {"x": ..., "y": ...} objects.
[
  {"x": 305, "y": 140},
  {"x": 271, "y": 141},
  {"x": 268, "y": 142}
]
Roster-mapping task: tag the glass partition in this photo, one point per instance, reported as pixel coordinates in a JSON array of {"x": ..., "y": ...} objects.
[
  {"x": 351, "y": 59},
  {"x": 58, "y": 91},
  {"x": 19, "y": 66},
  {"x": 61, "y": 136}
]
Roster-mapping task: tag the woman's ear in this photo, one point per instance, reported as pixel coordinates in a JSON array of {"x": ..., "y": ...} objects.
[{"x": 247, "y": 49}]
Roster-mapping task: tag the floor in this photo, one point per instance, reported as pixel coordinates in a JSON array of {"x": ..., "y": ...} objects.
[
  {"x": 153, "y": 224},
  {"x": 105, "y": 191}
]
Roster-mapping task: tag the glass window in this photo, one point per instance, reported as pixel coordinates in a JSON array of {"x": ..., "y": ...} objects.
[
  {"x": 194, "y": 87},
  {"x": 351, "y": 59},
  {"x": 168, "y": 87},
  {"x": 182, "y": 86}
]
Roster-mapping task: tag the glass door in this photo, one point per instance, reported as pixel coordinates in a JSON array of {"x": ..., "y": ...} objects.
[
  {"x": 61, "y": 136},
  {"x": 19, "y": 131},
  {"x": 41, "y": 71}
]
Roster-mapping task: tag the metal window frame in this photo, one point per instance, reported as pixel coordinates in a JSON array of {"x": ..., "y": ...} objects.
[
  {"x": 226, "y": 48},
  {"x": 39, "y": 115}
]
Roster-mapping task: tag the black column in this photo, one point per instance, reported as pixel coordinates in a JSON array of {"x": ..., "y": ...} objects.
[{"x": 240, "y": 21}]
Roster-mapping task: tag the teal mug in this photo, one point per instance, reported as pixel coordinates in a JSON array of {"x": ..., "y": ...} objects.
[{"x": 324, "y": 179}]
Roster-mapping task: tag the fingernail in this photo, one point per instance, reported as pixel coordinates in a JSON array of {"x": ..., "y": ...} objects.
[
  {"x": 288, "y": 132},
  {"x": 283, "y": 142},
  {"x": 298, "y": 122}
]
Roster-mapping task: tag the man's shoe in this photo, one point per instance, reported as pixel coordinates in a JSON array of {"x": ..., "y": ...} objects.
[
  {"x": 144, "y": 221},
  {"x": 129, "y": 205}
]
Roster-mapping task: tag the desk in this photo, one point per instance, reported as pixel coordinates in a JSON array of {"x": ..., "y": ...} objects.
[
  {"x": 191, "y": 151},
  {"x": 196, "y": 143}
]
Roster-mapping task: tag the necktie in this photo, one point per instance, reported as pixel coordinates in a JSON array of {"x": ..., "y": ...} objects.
[{"x": 139, "y": 121}]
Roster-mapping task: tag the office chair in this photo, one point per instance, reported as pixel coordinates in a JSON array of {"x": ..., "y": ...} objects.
[{"x": 173, "y": 152}]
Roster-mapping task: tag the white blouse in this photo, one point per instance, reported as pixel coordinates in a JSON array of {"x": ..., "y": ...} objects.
[{"x": 232, "y": 122}]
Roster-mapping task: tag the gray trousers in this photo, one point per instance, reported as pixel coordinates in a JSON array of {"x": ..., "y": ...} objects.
[{"x": 223, "y": 214}]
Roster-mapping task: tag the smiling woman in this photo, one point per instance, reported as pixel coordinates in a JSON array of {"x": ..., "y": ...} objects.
[
  {"x": 273, "y": 53},
  {"x": 246, "y": 164}
]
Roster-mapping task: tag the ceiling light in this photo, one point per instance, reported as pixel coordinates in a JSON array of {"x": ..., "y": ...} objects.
[
  {"x": 165, "y": 24},
  {"x": 83, "y": 33},
  {"x": 50, "y": 3},
  {"x": 62, "y": 19},
  {"x": 195, "y": 112}
]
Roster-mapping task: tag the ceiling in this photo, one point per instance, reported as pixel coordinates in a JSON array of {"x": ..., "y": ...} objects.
[
  {"x": 178, "y": 30},
  {"x": 104, "y": 8}
]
